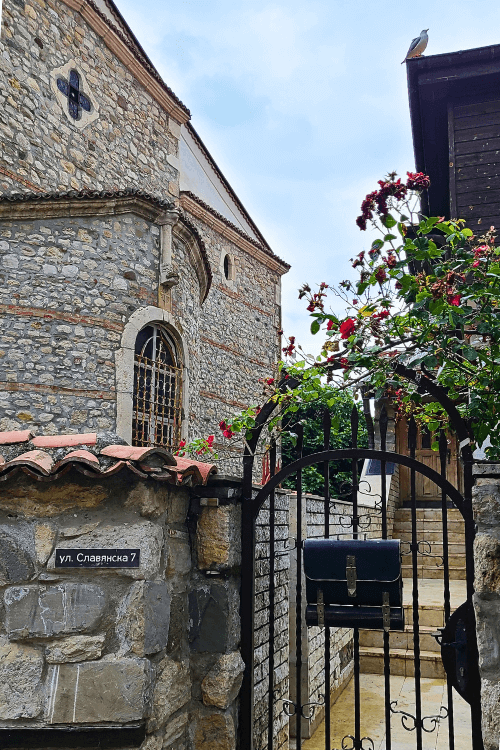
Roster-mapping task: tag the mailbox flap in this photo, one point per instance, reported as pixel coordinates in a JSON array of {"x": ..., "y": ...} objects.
[{"x": 376, "y": 559}]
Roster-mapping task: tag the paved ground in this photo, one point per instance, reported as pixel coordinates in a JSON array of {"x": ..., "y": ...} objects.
[{"x": 372, "y": 720}]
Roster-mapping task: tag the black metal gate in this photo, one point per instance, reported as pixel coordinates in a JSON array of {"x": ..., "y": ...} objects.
[{"x": 457, "y": 638}]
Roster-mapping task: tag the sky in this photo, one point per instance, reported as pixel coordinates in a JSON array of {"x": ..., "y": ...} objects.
[{"x": 303, "y": 105}]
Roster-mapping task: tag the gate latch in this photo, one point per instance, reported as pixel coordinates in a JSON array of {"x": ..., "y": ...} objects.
[
  {"x": 350, "y": 574},
  {"x": 386, "y": 612},
  {"x": 321, "y": 609}
]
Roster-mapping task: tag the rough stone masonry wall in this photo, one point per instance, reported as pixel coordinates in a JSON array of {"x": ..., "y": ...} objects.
[
  {"x": 52, "y": 266},
  {"x": 69, "y": 286},
  {"x": 486, "y": 505},
  {"x": 155, "y": 645},
  {"x": 238, "y": 340},
  {"x": 128, "y": 145}
]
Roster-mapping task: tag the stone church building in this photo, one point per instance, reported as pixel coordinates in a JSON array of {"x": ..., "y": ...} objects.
[{"x": 137, "y": 295}]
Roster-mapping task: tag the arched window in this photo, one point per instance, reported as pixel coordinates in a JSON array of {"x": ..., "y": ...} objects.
[{"x": 157, "y": 400}]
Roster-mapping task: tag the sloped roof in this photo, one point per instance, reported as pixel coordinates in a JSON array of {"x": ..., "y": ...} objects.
[{"x": 95, "y": 455}]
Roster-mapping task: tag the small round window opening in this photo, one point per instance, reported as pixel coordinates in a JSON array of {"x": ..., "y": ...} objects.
[{"x": 228, "y": 268}]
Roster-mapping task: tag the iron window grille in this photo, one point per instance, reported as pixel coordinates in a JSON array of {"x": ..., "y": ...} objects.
[{"x": 157, "y": 403}]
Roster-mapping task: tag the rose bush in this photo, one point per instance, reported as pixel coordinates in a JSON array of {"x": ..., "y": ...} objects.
[{"x": 427, "y": 296}]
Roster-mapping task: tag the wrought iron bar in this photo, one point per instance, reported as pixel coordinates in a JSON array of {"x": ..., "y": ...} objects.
[
  {"x": 412, "y": 444},
  {"x": 272, "y": 533},
  {"x": 443, "y": 456},
  {"x": 327, "y": 426},
  {"x": 298, "y": 604},
  {"x": 383, "y": 422},
  {"x": 355, "y": 524}
]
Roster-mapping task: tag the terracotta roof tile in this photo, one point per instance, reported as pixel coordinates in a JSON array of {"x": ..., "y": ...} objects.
[
  {"x": 205, "y": 470},
  {"x": 132, "y": 453},
  {"x": 51, "y": 464},
  {"x": 64, "y": 441},
  {"x": 38, "y": 460},
  {"x": 15, "y": 436}
]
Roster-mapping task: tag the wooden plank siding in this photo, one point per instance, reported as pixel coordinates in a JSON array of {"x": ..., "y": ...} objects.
[{"x": 474, "y": 139}]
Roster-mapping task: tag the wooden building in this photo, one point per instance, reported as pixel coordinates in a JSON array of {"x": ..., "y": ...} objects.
[{"x": 455, "y": 117}]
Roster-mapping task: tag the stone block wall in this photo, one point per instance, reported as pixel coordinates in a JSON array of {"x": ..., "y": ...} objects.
[
  {"x": 154, "y": 647},
  {"x": 486, "y": 505}
]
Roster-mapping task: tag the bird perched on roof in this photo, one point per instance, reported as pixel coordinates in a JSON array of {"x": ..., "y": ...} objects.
[{"x": 417, "y": 46}]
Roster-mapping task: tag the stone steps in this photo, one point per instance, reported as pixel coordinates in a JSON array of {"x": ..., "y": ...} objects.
[
  {"x": 400, "y": 640},
  {"x": 426, "y": 571},
  {"x": 371, "y": 661}
]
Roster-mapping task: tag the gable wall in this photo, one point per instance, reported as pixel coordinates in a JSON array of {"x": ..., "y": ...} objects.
[{"x": 126, "y": 145}]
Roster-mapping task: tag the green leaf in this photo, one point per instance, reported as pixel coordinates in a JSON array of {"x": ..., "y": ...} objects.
[
  {"x": 388, "y": 221},
  {"x": 315, "y": 326},
  {"x": 389, "y": 237},
  {"x": 377, "y": 244},
  {"x": 469, "y": 353}
]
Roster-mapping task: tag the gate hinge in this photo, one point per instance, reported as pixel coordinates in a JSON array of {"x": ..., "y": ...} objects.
[
  {"x": 321, "y": 609},
  {"x": 386, "y": 612},
  {"x": 350, "y": 574}
]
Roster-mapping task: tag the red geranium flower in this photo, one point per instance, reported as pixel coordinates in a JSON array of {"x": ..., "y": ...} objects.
[
  {"x": 380, "y": 275},
  {"x": 222, "y": 425},
  {"x": 347, "y": 328},
  {"x": 329, "y": 325},
  {"x": 210, "y": 440},
  {"x": 454, "y": 300}
]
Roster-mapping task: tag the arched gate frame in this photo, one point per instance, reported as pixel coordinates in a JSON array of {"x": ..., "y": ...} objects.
[{"x": 458, "y": 640}]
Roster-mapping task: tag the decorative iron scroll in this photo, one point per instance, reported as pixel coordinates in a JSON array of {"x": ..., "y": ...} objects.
[
  {"x": 307, "y": 715},
  {"x": 433, "y": 720},
  {"x": 420, "y": 550},
  {"x": 356, "y": 745}
]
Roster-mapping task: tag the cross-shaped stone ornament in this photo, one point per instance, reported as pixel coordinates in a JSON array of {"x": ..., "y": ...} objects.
[{"x": 76, "y": 100}]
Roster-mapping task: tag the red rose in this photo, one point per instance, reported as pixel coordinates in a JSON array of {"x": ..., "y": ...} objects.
[{"x": 347, "y": 328}]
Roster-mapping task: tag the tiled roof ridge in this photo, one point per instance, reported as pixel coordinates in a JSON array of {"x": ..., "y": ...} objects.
[
  {"x": 87, "y": 195},
  {"x": 264, "y": 247},
  {"x": 95, "y": 455},
  {"x": 136, "y": 49}
]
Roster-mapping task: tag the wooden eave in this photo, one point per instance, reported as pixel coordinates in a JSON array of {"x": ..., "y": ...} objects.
[{"x": 433, "y": 82}]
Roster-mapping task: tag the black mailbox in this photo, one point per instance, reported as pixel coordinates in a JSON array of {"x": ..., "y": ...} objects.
[{"x": 354, "y": 583}]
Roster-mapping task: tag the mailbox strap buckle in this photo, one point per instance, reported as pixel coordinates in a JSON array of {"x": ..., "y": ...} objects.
[
  {"x": 321, "y": 609},
  {"x": 350, "y": 574},
  {"x": 386, "y": 612}
]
